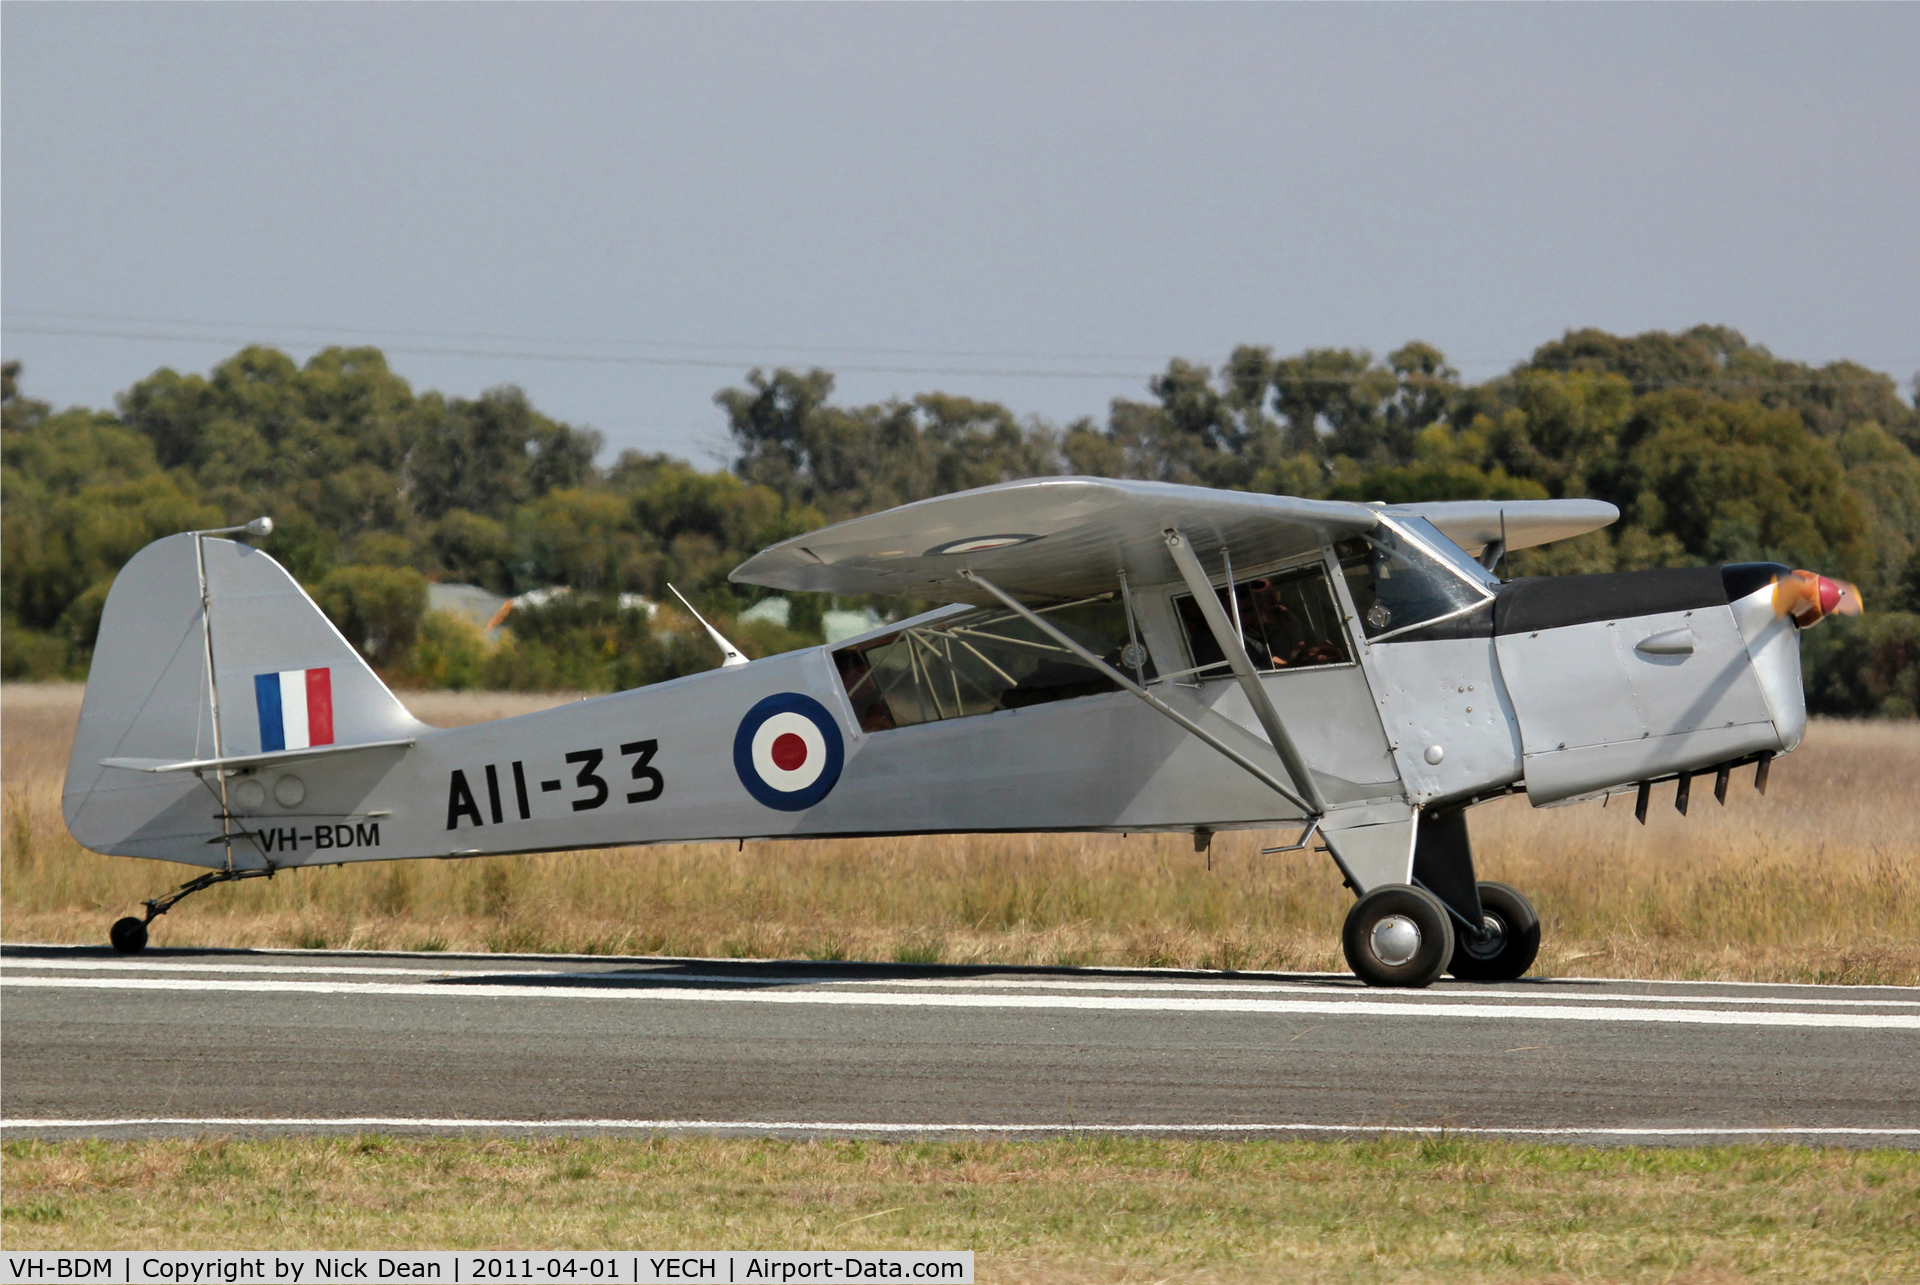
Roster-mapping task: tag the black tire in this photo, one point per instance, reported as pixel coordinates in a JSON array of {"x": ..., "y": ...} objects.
[
  {"x": 129, "y": 935},
  {"x": 1515, "y": 930},
  {"x": 1374, "y": 943}
]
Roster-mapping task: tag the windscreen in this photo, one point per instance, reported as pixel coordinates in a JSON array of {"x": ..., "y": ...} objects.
[
  {"x": 1396, "y": 584},
  {"x": 1453, "y": 553}
]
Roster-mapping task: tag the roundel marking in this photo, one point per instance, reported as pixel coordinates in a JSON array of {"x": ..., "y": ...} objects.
[{"x": 788, "y": 751}]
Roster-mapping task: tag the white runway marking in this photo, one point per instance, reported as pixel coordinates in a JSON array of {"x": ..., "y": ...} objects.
[
  {"x": 656, "y": 961},
  {"x": 164, "y": 966},
  {"x": 890, "y": 1127},
  {"x": 1251, "y": 987},
  {"x": 1358, "y": 993},
  {"x": 1348, "y": 1007}
]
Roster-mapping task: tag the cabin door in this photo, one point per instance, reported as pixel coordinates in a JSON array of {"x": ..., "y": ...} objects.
[{"x": 1291, "y": 624}]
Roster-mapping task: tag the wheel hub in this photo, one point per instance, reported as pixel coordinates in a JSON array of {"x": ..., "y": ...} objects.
[
  {"x": 1490, "y": 940},
  {"x": 1395, "y": 940}
]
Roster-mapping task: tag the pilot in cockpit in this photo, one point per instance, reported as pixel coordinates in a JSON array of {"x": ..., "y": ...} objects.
[{"x": 1275, "y": 635}]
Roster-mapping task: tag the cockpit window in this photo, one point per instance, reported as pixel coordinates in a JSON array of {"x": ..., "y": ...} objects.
[
  {"x": 1287, "y": 621},
  {"x": 1396, "y": 584},
  {"x": 981, "y": 661}
]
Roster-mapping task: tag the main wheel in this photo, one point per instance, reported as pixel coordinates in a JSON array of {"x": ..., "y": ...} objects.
[
  {"x": 129, "y": 935},
  {"x": 1511, "y": 940},
  {"x": 1397, "y": 935}
]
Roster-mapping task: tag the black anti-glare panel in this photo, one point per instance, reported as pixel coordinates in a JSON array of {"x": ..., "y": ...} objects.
[{"x": 1553, "y": 602}]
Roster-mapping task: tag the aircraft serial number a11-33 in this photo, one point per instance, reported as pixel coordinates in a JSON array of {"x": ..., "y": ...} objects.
[{"x": 1115, "y": 656}]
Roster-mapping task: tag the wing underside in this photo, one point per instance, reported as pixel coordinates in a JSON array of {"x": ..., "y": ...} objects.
[
  {"x": 1048, "y": 538},
  {"x": 1523, "y": 524}
]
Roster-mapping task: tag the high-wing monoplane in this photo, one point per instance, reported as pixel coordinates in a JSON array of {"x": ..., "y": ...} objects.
[{"x": 1113, "y": 656}]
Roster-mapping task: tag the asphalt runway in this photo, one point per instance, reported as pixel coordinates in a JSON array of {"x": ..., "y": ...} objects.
[{"x": 254, "y": 1042}]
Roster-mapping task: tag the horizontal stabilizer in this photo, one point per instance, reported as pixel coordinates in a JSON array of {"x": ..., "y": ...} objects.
[{"x": 250, "y": 760}]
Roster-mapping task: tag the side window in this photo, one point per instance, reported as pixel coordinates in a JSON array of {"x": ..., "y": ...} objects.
[
  {"x": 1396, "y": 584},
  {"x": 984, "y": 661},
  {"x": 1288, "y": 620}
]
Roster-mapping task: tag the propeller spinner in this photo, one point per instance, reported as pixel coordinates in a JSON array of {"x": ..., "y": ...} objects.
[{"x": 1809, "y": 598}]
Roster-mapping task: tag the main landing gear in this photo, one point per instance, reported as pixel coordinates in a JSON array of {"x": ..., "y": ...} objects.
[
  {"x": 129, "y": 935},
  {"x": 1408, "y": 934},
  {"x": 1401, "y": 935}
]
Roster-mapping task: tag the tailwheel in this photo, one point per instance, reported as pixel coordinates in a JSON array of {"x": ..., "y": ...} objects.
[
  {"x": 129, "y": 935},
  {"x": 1398, "y": 935},
  {"x": 1509, "y": 939}
]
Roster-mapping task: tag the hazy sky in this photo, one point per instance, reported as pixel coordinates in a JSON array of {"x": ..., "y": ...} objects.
[{"x": 925, "y": 196}]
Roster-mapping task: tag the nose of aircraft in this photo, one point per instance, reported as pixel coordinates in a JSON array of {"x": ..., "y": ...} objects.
[{"x": 1810, "y": 598}]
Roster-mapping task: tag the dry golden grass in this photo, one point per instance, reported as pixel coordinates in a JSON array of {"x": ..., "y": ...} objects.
[
  {"x": 1818, "y": 881},
  {"x": 1064, "y": 1210}
]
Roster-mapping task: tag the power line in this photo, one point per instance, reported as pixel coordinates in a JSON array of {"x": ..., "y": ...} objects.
[
  {"x": 606, "y": 359},
  {"x": 1726, "y": 380},
  {"x": 697, "y": 345},
  {"x": 588, "y": 340}
]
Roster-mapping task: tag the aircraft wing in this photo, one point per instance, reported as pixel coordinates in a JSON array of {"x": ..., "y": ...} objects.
[
  {"x": 1051, "y": 537},
  {"x": 1474, "y": 524}
]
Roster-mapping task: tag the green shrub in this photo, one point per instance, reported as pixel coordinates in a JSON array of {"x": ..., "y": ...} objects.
[
  {"x": 449, "y": 653},
  {"x": 29, "y": 656},
  {"x": 378, "y": 609},
  {"x": 1864, "y": 666}
]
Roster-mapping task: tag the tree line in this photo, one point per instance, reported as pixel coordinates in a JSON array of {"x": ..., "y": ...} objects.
[{"x": 1714, "y": 449}]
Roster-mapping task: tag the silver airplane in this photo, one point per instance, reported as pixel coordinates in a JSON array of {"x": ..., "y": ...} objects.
[{"x": 1115, "y": 656}]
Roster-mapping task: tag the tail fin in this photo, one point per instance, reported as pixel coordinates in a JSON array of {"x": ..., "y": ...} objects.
[{"x": 260, "y": 658}]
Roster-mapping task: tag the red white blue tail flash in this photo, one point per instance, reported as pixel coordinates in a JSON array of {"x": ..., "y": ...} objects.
[{"x": 296, "y": 709}]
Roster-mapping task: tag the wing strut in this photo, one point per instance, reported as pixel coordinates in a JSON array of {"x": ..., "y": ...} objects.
[
  {"x": 1235, "y": 650},
  {"x": 1046, "y": 627}
]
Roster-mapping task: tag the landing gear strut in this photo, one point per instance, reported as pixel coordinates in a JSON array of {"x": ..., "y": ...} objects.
[{"x": 129, "y": 935}]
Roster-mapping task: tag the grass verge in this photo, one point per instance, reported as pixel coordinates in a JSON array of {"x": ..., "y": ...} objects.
[
  {"x": 1394, "y": 1209},
  {"x": 1818, "y": 881}
]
